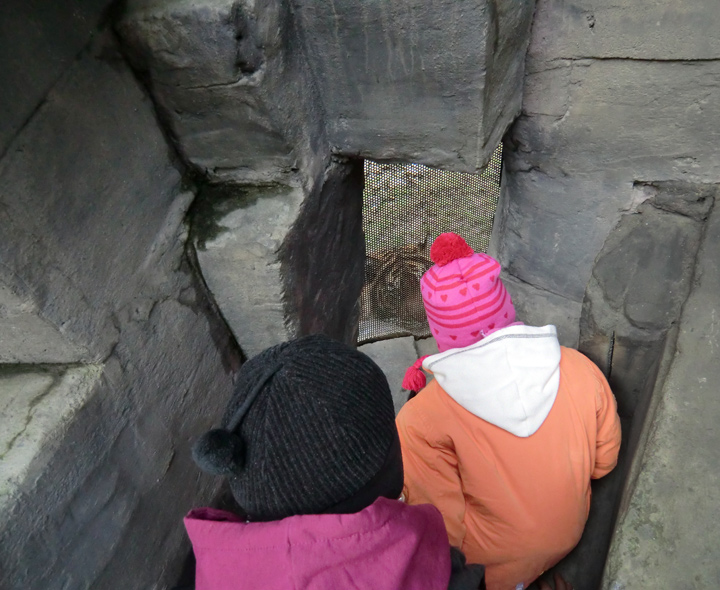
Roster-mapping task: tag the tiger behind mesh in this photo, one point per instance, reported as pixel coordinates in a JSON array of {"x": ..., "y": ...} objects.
[{"x": 392, "y": 286}]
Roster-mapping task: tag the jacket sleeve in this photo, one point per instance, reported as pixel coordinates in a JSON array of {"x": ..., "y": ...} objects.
[
  {"x": 431, "y": 468},
  {"x": 608, "y": 427}
]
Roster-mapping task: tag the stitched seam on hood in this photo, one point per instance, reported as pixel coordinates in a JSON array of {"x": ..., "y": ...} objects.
[
  {"x": 488, "y": 343},
  {"x": 517, "y": 392}
]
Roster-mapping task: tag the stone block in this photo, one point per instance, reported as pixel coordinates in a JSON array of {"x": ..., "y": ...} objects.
[
  {"x": 25, "y": 337},
  {"x": 93, "y": 252},
  {"x": 537, "y": 307},
  {"x": 40, "y": 40},
  {"x": 403, "y": 81},
  {"x": 35, "y": 407},
  {"x": 667, "y": 535},
  {"x": 646, "y": 264},
  {"x": 425, "y": 346},
  {"x": 230, "y": 81},
  {"x": 661, "y": 30},
  {"x": 237, "y": 232},
  {"x": 640, "y": 281},
  {"x": 89, "y": 170},
  {"x": 598, "y": 131},
  {"x": 552, "y": 227},
  {"x": 254, "y": 90},
  {"x": 393, "y": 356}
]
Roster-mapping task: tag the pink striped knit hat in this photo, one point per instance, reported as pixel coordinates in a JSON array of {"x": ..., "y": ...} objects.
[{"x": 464, "y": 299}]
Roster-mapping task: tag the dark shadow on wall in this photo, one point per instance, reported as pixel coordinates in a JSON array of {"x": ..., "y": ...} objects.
[{"x": 323, "y": 256}]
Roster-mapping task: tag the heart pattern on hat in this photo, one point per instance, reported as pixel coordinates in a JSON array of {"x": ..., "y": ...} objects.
[{"x": 472, "y": 300}]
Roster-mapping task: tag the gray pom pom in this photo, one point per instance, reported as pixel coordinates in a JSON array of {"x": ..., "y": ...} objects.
[{"x": 219, "y": 452}]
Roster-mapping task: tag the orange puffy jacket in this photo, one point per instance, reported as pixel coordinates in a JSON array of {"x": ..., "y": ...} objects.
[{"x": 504, "y": 442}]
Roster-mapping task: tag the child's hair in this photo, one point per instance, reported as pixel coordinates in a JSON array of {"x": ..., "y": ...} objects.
[{"x": 310, "y": 429}]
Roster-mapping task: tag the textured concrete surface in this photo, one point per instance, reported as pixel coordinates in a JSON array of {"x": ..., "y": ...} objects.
[
  {"x": 35, "y": 405},
  {"x": 236, "y": 234},
  {"x": 661, "y": 30},
  {"x": 25, "y": 337},
  {"x": 614, "y": 95},
  {"x": 668, "y": 536},
  {"x": 393, "y": 356},
  {"x": 232, "y": 82},
  {"x": 627, "y": 315},
  {"x": 537, "y": 307},
  {"x": 40, "y": 40},
  {"x": 93, "y": 253},
  {"x": 251, "y": 90},
  {"x": 78, "y": 203},
  {"x": 404, "y": 80},
  {"x": 619, "y": 109}
]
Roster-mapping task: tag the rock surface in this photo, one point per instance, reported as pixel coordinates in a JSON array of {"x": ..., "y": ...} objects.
[
  {"x": 615, "y": 96},
  {"x": 253, "y": 90},
  {"x": 666, "y": 535},
  {"x": 40, "y": 40},
  {"x": 393, "y": 356},
  {"x": 605, "y": 174},
  {"x": 97, "y": 471},
  {"x": 237, "y": 232}
]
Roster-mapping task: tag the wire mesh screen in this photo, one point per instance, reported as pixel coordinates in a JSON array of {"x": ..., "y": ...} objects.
[{"x": 406, "y": 206}]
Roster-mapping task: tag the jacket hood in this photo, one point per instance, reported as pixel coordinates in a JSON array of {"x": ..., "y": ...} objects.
[
  {"x": 388, "y": 545},
  {"x": 509, "y": 378}
]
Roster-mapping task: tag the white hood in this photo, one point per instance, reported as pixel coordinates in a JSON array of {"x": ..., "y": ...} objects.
[{"x": 509, "y": 378}]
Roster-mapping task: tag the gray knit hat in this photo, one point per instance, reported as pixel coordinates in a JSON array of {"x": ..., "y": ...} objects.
[{"x": 309, "y": 429}]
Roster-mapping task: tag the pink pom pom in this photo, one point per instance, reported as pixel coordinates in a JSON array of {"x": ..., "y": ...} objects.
[
  {"x": 448, "y": 247},
  {"x": 414, "y": 379}
]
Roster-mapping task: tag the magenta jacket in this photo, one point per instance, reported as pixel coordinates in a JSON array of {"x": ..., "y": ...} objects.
[{"x": 387, "y": 546}]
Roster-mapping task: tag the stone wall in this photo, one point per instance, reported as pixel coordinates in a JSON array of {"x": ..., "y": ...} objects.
[
  {"x": 610, "y": 173},
  {"x": 615, "y": 95},
  {"x": 113, "y": 359},
  {"x": 284, "y": 98},
  {"x": 114, "y": 354}
]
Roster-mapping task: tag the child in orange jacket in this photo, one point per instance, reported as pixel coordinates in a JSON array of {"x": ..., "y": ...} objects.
[{"x": 506, "y": 438}]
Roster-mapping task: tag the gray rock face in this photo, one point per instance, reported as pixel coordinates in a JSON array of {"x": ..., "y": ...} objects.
[
  {"x": 394, "y": 356},
  {"x": 640, "y": 281},
  {"x": 237, "y": 232},
  {"x": 410, "y": 81},
  {"x": 65, "y": 230},
  {"x": 606, "y": 185},
  {"x": 614, "y": 95},
  {"x": 663, "y": 30},
  {"x": 582, "y": 114},
  {"x": 268, "y": 93},
  {"x": 96, "y": 471},
  {"x": 666, "y": 533},
  {"x": 225, "y": 76},
  {"x": 40, "y": 40},
  {"x": 536, "y": 307},
  {"x": 25, "y": 337},
  {"x": 251, "y": 90}
]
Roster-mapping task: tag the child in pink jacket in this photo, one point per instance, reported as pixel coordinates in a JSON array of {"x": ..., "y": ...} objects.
[
  {"x": 506, "y": 438},
  {"x": 312, "y": 456}
]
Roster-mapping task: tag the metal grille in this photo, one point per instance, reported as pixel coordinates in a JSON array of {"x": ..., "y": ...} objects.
[{"x": 406, "y": 206}]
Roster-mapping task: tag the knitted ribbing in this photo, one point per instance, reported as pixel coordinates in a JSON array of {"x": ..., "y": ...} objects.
[{"x": 319, "y": 430}]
